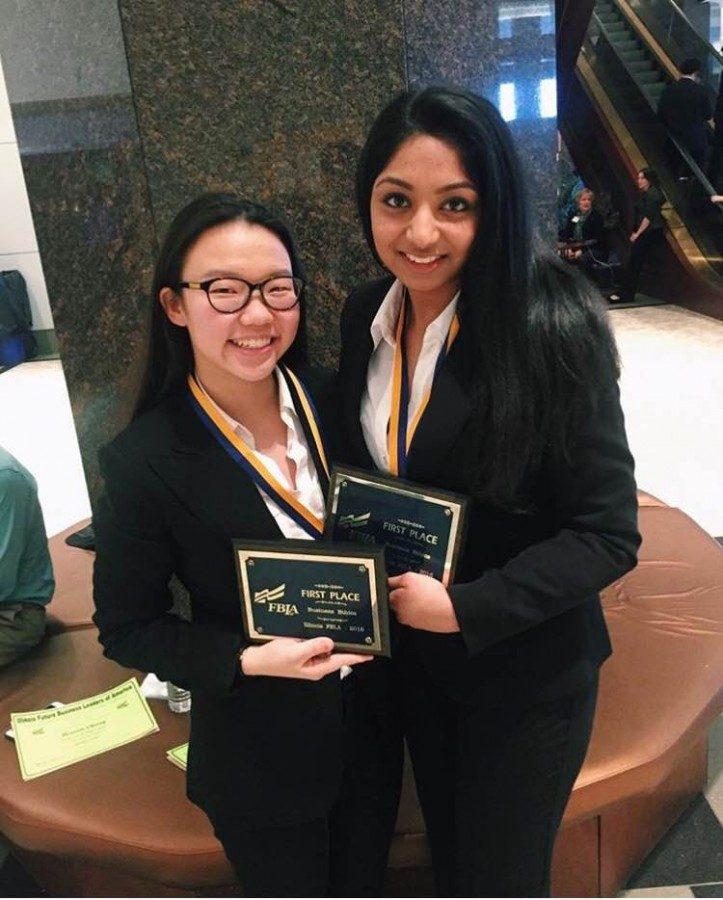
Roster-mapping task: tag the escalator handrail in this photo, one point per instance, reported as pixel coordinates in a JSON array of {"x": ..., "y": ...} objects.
[{"x": 689, "y": 161}]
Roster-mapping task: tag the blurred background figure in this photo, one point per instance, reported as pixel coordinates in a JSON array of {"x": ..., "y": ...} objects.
[
  {"x": 647, "y": 235},
  {"x": 685, "y": 108},
  {"x": 26, "y": 573},
  {"x": 582, "y": 237}
]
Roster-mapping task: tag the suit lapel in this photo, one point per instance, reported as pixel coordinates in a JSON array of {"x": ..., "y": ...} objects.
[
  {"x": 206, "y": 481},
  {"x": 449, "y": 408},
  {"x": 450, "y": 404}
]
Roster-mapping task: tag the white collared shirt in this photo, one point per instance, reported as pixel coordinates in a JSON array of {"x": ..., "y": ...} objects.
[
  {"x": 308, "y": 489},
  {"x": 377, "y": 400}
]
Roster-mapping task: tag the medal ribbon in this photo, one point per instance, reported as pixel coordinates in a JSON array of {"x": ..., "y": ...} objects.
[
  {"x": 401, "y": 431},
  {"x": 244, "y": 456}
]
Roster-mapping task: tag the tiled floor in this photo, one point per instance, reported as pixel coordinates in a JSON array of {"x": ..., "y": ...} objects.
[{"x": 671, "y": 387}]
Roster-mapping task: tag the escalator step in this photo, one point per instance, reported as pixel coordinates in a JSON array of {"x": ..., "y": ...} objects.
[
  {"x": 629, "y": 44},
  {"x": 648, "y": 78},
  {"x": 653, "y": 91},
  {"x": 641, "y": 66}
]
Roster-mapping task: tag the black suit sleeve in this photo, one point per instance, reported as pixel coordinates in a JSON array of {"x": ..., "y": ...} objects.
[
  {"x": 595, "y": 511},
  {"x": 134, "y": 562}
]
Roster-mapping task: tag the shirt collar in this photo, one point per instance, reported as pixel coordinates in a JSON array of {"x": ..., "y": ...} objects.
[
  {"x": 384, "y": 324},
  {"x": 286, "y": 410}
]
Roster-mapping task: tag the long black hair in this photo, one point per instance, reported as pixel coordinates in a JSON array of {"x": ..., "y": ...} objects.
[
  {"x": 539, "y": 331},
  {"x": 170, "y": 357}
]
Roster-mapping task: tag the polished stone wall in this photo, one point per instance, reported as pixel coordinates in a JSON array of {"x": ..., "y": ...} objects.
[
  {"x": 268, "y": 98},
  {"x": 67, "y": 81}
]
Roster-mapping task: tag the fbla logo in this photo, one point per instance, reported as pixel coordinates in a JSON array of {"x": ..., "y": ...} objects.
[
  {"x": 270, "y": 594},
  {"x": 352, "y": 521}
]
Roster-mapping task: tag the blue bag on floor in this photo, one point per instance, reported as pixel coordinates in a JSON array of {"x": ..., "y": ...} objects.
[{"x": 17, "y": 341}]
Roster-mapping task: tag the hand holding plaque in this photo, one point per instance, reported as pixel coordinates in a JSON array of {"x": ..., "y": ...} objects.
[
  {"x": 304, "y": 589},
  {"x": 420, "y": 528},
  {"x": 308, "y": 660}
]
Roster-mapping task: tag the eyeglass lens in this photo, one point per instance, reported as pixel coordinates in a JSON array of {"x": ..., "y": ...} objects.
[{"x": 228, "y": 294}]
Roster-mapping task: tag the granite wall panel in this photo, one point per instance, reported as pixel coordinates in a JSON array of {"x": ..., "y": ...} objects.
[
  {"x": 270, "y": 100},
  {"x": 69, "y": 91}
]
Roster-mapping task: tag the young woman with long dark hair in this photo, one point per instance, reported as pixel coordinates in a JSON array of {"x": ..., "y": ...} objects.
[
  {"x": 224, "y": 444},
  {"x": 512, "y": 399}
]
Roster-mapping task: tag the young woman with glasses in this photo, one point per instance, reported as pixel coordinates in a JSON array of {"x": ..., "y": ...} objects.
[
  {"x": 509, "y": 386},
  {"x": 223, "y": 445}
]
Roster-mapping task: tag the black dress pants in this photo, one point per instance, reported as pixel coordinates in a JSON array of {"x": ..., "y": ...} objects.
[
  {"x": 363, "y": 819},
  {"x": 345, "y": 853},
  {"x": 648, "y": 241},
  {"x": 284, "y": 861},
  {"x": 493, "y": 781}
]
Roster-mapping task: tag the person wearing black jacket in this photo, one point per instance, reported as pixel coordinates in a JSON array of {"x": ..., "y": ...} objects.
[
  {"x": 648, "y": 234},
  {"x": 511, "y": 375},
  {"x": 223, "y": 405},
  {"x": 584, "y": 226},
  {"x": 685, "y": 107}
]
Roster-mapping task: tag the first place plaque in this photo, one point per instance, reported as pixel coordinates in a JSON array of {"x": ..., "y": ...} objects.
[
  {"x": 420, "y": 528},
  {"x": 303, "y": 589}
]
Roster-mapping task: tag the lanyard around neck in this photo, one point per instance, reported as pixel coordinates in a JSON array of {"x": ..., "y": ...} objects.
[
  {"x": 401, "y": 432},
  {"x": 244, "y": 456}
]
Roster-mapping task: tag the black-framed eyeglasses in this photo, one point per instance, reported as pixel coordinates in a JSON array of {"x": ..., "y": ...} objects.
[{"x": 229, "y": 295}]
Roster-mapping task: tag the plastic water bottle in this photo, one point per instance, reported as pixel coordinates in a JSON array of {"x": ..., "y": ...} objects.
[{"x": 179, "y": 699}]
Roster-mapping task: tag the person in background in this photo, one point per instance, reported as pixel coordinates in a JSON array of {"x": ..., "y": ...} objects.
[
  {"x": 648, "y": 234},
  {"x": 584, "y": 225},
  {"x": 26, "y": 572},
  {"x": 685, "y": 107}
]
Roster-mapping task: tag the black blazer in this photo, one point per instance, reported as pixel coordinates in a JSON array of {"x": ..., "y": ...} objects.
[
  {"x": 526, "y": 590},
  {"x": 266, "y": 750},
  {"x": 593, "y": 228},
  {"x": 685, "y": 106}
]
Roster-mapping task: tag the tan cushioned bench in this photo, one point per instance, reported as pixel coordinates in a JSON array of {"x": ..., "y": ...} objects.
[
  {"x": 72, "y": 603},
  {"x": 124, "y": 815},
  {"x": 125, "y": 809}
]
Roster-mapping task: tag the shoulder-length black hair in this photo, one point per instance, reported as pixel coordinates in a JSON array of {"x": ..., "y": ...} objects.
[
  {"x": 169, "y": 356},
  {"x": 537, "y": 331},
  {"x": 651, "y": 176}
]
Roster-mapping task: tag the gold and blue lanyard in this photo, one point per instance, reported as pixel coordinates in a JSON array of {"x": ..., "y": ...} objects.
[
  {"x": 401, "y": 432},
  {"x": 244, "y": 456}
]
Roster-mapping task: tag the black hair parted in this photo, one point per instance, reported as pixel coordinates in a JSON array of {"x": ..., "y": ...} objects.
[
  {"x": 169, "y": 357},
  {"x": 538, "y": 332}
]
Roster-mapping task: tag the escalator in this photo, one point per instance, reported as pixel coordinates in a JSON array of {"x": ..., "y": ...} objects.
[{"x": 630, "y": 51}]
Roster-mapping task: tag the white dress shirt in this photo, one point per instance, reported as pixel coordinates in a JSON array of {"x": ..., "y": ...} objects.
[
  {"x": 377, "y": 400},
  {"x": 308, "y": 489}
]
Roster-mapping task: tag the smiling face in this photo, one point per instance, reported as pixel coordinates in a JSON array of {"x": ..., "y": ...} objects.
[
  {"x": 245, "y": 345},
  {"x": 424, "y": 216}
]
